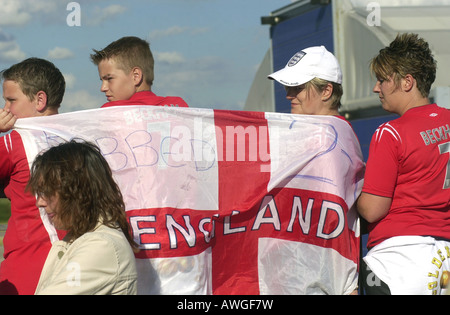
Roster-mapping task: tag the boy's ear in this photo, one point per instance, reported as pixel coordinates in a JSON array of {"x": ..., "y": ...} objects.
[
  {"x": 41, "y": 101},
  {"x": 138, "y": 76}
]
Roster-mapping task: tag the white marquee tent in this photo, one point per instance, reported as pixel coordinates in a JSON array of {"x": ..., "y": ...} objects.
[{"x": 360, "y": 29}]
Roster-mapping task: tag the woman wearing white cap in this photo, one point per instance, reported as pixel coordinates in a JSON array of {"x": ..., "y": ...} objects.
[{"x": 312, "y": 79}]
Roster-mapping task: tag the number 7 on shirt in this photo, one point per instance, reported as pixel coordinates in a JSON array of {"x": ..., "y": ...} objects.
[{"x": 445, "y": 148}]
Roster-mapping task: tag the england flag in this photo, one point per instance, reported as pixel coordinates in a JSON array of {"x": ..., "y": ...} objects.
[{"x": 227, "y": 202}]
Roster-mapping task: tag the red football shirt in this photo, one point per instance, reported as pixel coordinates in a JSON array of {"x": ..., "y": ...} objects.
[
  {"x": 149, "y": 98},
  {"x": 409, "y": 161},
  {"x": 27, "y": 241}
]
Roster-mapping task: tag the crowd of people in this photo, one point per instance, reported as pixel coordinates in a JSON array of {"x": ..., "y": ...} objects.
[{"x": 405, "y": 199}]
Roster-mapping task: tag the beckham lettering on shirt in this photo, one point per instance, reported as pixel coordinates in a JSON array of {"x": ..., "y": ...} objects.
[{"x": 436, "y": 134}]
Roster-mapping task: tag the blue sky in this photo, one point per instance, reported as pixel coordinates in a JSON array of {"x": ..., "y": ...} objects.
[{"x": 206, "y": 51}]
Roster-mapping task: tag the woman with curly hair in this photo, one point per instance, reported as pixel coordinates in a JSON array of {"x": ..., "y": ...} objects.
[{"x": 75, "y": 186}]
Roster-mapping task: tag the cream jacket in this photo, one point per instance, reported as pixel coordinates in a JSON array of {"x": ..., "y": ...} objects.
[{"x": 99, "y": 262}]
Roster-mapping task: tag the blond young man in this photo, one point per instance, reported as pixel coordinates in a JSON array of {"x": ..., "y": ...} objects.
[{"x": 126, "y": 71}]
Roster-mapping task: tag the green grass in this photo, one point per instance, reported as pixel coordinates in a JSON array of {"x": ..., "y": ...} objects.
[{"x": 5, "y": 210}]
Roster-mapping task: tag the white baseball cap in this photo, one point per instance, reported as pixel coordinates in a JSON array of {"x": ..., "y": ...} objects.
[{"x": 310, "y": 63}]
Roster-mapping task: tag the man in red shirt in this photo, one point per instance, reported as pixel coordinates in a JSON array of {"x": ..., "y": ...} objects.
[
  {"x": 33, "y": 87},
  {"x": 406, "y": 193},
  {"x": 126, "y": 71}
]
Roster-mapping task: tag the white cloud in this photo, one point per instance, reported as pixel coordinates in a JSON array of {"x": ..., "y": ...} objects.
[
  {"x": 12, "y": 53},
  {"x": 19, "y": 13},
  {"x": 9, "y": 49},
  {"x": 205, "y": 70},
  {"x": 101, "y": 15},
  {"x": 12, "y": 13},
  {"x": 169, "y": 57},
  {"x": 177, "y": 30},
  {"x": 81, "y": 100},
  {"x": 203, "y": 82},
  {"x": 60, "y": 53},
  {"x": 114, "y": 10},
  {"x": 70, "y": 80}
]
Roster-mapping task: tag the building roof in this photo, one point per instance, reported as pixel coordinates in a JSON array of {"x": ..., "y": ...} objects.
[{"x": 361, "y": 30}]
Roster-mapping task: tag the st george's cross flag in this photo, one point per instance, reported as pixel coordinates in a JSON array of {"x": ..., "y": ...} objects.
[{"x": 227, "y": 202}]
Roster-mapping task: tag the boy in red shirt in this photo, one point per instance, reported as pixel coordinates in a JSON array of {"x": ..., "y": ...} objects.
[
  {"x": 126, "y": 71},
  {"x": 31, "y": 88},
  {"x": 406, "y": 193}
]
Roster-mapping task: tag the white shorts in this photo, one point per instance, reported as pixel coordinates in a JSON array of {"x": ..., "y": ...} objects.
[{"x": 417, "y": 265}]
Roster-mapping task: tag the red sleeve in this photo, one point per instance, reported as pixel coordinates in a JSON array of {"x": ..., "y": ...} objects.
[
  {"x": 5, "y": 160},
  {"x": 383, "y": 162}
]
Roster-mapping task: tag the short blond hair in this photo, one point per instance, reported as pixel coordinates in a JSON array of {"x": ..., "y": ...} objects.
[
  {"x": 129, "y": 52},
  {"x": 320, "y": 84}
]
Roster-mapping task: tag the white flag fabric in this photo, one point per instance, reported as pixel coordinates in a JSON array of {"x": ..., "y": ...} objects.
[{"x": 227, "y": 202}]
